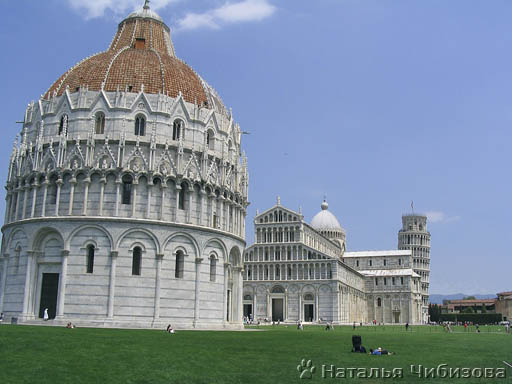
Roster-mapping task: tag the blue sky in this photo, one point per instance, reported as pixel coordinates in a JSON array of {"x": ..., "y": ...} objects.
[{"x": 373, "y": 103}]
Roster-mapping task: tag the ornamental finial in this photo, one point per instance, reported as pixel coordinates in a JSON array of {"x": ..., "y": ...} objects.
[{"x": 146, "y": 4}]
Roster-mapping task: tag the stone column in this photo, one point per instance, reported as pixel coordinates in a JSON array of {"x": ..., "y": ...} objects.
[
  {"x": 317, "y": 307},
  {"x": 225, "y": 296},
  {"x": 25, "y": 194},
  {"x": 254, "y": 302},
  {"x": 118, "y": 184},
  {"x": 3, "y": 282},
  {"x": 197, "y": 304},
  {"x": 189, "y": 210},
  {"x": 28, "y": 283},
  {"x": 71, "y": 196},
  {"x": 285, "y": 315},
  {"x": 150, "y": 190},
  {"x": 202, "y": 194},
  {"x": 221, "y": 209},
  {"x": 300, "y": 306},
  {"x": 62, "y": 283},
  {"x": 57, "y": 200},
  {"x": 163, "y": 188},
  {"x": 7, "y": 206},
  {"x": 268, "y": 304},
  {"x": 112, "y": 287},
  {"x": 103, "y": 181},
  {"x": 213, "y": 209},
  {"x": 227, "y": 204},
  {"x": 159, "y": 258},
  {"x": 176, "y": 210},
  {"x": 45, "y": 195},
  {"x": 87, "y": 183},
  {"x": 239, "y": 292},
  {"x": 18, "y": 190},
  {"x": 134, "y": 200}
]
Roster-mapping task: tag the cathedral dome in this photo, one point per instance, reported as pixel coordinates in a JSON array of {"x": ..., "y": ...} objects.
[
  {"x": 325, "y": 220},
  {"x": 141, "y": 57}
]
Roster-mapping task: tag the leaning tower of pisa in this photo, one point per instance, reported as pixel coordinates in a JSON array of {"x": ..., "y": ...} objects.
[{"x": 414, "y": 236}]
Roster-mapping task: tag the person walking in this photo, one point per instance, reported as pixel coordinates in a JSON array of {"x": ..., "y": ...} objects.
[
  {"x": 45, "y": 315},
  {"x": 406, "y": 326}
]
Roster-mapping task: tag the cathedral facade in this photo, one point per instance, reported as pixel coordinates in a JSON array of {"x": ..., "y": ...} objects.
[
  {"x": 300, "y": 272},
  {"x": 127, "y": 194}
]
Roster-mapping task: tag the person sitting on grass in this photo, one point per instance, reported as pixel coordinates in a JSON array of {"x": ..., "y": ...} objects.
[
  {"x": 169, "y": 329},
  {"x": 380, "y": 351}
]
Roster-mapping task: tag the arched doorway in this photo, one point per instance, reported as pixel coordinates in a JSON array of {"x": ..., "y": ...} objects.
[
  {"x": 277, "y": 302},
  {"x": 48, "y": 282},
  {"x": 309, "y": 307}
]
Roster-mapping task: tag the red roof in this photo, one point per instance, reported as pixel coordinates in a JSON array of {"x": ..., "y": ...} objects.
[{"x": 141, "y": 54}]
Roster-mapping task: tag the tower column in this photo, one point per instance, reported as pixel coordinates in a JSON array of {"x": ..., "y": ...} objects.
[
  {"x": 71, "y": 196},
  {"x": 159, "y": 258},
  {"x": 112, "y": 286},
  {"x": 62, "y": 283}
]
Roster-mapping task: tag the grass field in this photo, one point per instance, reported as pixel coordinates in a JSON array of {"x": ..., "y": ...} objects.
[{"x": 265, "y": 355}]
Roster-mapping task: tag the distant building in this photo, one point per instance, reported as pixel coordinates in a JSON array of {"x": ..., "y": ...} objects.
[
  {"x": 501, "y": 304},
  {"x": 461, "y": 306},
  {"x": 504, "y": 305},
  {"x": 297, "y": 271}
]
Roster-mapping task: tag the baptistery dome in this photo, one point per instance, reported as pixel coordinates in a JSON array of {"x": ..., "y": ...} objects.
[
  {"x": 141, "y": 57},
  {"x": 127, "y": 194}
]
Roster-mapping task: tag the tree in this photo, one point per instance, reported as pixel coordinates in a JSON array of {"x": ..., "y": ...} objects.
[
  {"x": 483, "y": 310},
  {"x": 468, "y": 310},
  {"x": 469, "y": 298}
]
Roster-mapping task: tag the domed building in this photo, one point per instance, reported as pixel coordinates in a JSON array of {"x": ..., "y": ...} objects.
[
  {"x": 127, "y": 194},
  {"x": 300, "y": 272},
  {"x": 328, "y": 225}
]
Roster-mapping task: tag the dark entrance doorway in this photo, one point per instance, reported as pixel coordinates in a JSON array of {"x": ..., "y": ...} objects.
[
  {"x": 248, "y": 311},
  {"x": 397, "y": 317},
  {"x": 49, "y": 292},
  {"x": 309, "y": 312},
  {"x": 277, "y": 310}
]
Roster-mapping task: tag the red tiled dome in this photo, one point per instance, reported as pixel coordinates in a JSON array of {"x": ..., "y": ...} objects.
[{"x": 140, "y": 55}]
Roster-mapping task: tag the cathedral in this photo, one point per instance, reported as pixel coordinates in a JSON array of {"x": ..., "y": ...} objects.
[
  {"x": 300, "y": 272},
  {"x": 126, "y": 194}
]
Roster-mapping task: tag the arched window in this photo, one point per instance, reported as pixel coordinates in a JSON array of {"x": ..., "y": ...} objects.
[
  {"x": 140, "y": 125},
  {"x": 177, "y": 130},
  {"x": 213, "y": 267},
  {"x": 180, "y": 260},
  {"x": 100, "y": 123},
  {"x": 379, "y": 302},
  {"x": 309, "y": 297},
  {"x": 90, "y": 258},
  {"x": 63, "y": 125},
  {"x": 51, "y": 195},
  {"x": 210, "y": 139},
  {"x": 278, "y": 289},
  {"x": 247, "y": 297},
  {"x": 137, "y": 261},
  {"x": 181, "y": 196},
  {"x": 127, "y": 189}
]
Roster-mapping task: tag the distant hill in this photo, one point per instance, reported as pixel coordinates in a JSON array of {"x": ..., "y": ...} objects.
[{"x": 438, "y": 299}]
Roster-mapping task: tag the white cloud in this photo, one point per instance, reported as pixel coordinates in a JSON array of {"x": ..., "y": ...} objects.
[
  {"x": 244, "y": 11},
  {"x": 97, "y": 8},
  {"x": 440, "y": 217}
]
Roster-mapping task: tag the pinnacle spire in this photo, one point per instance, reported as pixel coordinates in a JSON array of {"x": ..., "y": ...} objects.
[{"x": 146, "y": 4}]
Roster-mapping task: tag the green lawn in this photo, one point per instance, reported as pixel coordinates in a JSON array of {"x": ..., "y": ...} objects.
[{"x": 268, "y": 355}]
